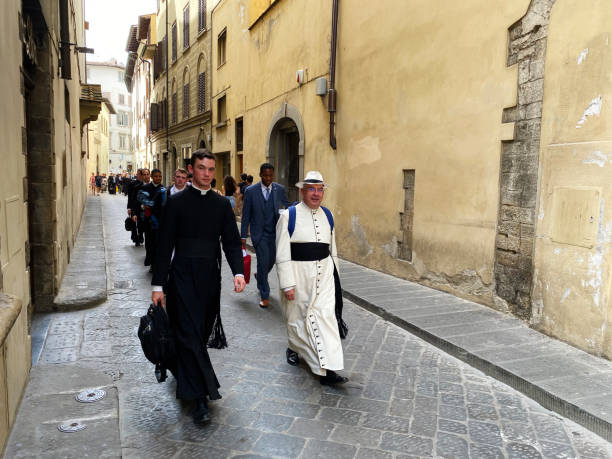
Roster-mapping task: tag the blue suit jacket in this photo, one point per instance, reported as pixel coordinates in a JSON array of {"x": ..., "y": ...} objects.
[{"x": 253, "y": 209}]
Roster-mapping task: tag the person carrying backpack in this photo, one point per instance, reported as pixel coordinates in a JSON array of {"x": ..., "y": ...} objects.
[{"x": 306, "y": 262}]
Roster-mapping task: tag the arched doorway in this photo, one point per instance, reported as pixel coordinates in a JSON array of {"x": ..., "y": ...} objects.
[{"x": 285, "y": 148}]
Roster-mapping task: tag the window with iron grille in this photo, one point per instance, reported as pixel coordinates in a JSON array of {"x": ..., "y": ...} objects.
[
  {"x": 174, "y": 108},
  {"x": 174, "y": 38},
  {"x": 239, "y": 131},
  {"x": 202, "y": 92},
  {"x": 186, "y": 101},
  {"x": 186, "y": 27},
  {"x": 201, "y": 15}
]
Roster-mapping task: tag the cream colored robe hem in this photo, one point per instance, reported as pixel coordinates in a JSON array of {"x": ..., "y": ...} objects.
[{"x": 312, "y": 328}]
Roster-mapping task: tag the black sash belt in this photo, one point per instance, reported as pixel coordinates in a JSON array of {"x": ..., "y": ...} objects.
[
  {"x": 196, "y": 248},
  {"x": 309, "y": 251}
]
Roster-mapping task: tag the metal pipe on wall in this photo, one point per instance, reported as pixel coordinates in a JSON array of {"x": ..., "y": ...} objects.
[{"x": 332, "y": 93}]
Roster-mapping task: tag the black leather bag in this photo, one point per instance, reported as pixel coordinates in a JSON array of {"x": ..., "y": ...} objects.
[
  {"x": 129, "y": 224},
  {"x": 157, "y": 341}
]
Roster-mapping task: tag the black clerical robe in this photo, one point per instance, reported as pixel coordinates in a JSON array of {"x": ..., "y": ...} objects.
[
  {"x": 132, "y": 190},
  {"x": 192, "y": 225},
  {"x": 151, "y": 217}
]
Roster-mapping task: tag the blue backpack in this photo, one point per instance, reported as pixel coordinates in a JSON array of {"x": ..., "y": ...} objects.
[{"x": 291, "y": 224}]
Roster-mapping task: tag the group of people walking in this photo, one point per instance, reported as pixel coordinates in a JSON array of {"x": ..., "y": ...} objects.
[
  {"x": 185, "y": 229},
  {"x": 113, "y": 184}
]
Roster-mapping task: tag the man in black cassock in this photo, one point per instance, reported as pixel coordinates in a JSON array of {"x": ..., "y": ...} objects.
[
  {"x": 152, "y": 198},
  {"x": 133, "y": 207},
  {"x": 193, "y": 222}
]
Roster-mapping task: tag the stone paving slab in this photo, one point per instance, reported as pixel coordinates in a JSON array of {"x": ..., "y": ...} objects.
[
  {"x": 84, "y": 282},
  {"x": 562, "y": 378}
]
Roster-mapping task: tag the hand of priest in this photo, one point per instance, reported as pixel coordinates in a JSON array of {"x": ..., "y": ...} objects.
[
  {"x": 158, "y": 298},
  {"x": 239, "y": 284},
  {"x": 290, "y": 294}
]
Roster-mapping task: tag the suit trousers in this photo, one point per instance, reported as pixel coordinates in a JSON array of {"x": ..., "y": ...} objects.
[{"x": 266, "y": 257}]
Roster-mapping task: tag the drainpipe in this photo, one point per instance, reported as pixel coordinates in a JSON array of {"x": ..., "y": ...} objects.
[
  {"x": 167, "y": 83},
  {"x": 211, "y": 72},
  {"x": 331, "y": 93}
]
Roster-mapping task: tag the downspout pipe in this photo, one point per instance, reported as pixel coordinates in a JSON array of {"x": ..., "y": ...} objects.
[
  {"x": 331, "y": 92},
  {"x": 167, "y": 84}
]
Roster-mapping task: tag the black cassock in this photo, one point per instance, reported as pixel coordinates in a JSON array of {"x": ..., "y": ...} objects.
[{"x": 192, "y": 225}]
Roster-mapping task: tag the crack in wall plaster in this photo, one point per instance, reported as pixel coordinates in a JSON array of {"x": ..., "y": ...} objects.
[
  {"x": 467, "y": 281},
  {"x": 594, "y": 109}
]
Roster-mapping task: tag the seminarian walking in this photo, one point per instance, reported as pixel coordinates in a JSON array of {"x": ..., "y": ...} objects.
[
  {"x": 194, "y": 222},
  {"x": 306, "y": 258},
  {"x": 260, "y": 212}
]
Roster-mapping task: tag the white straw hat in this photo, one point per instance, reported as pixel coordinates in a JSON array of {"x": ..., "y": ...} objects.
[{"x": 312, "y": 178}]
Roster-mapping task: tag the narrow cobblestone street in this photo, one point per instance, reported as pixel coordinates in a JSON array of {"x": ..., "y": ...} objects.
[{"x": 405, "y": 398}]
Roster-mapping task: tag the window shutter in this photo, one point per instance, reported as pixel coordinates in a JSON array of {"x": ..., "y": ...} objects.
[
  {"x": 202, "y": 92},
  {"x": 174, "y": 108},
  {"x": 157, "y": 61},
  {"x": 174, "y": 38},
  {"x": 154, "y": 117},
  {"x": 186, "y": 27},
  {"x": 201, "y": 15},
  {"x": 186, "y": 101}
]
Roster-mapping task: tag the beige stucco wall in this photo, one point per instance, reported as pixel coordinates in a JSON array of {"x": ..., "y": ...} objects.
[
  {"x": 15, "y": 342},
  {"x": 98, "y": 140},
  {"x": 419, "y": 88},
  {"x": 571, "y": 289}
]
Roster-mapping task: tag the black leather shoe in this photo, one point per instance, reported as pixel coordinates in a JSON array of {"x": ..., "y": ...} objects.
[
  {"x": 292, "y": 357},
  {"x": 332, "y": 378},
  {"x": 200, "y": 414}
]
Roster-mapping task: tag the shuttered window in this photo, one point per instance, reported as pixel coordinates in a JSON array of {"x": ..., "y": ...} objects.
[
  {"x": 202, "y": 92},
  {"x": 201, "y": 15},
  {"x": 239, "y": 134},
  {"x": 174, "y": 108},
  {"x": 154, "y": 117},
  {"x": 157, "y": 62},
  {"x": 174, "y": 38},
  {"x": 186, "y": 27},
  {"x": 186, "y": 101}
]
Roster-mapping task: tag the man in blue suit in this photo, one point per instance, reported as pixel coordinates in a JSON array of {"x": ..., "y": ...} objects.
[{"x": 260, "y": 212}]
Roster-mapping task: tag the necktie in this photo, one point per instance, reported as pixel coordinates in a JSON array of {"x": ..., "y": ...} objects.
[{"x": 267, "y": 195}]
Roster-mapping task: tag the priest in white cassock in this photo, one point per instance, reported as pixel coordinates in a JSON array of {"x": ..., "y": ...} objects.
[{"x": 306, "y": 258}]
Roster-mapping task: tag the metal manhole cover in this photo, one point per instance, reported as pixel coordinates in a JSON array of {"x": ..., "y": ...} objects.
[
  {"x": 71, "y": 427},
  {"x": 91, "y": 395}
]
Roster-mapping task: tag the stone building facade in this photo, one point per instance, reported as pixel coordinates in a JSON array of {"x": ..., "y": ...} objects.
[
  {"x": 180, "y": 108},
  {"x": 466, "y": 146},
  {"x": 47, "y": 106},
  {"x": 99, "y": 141}
]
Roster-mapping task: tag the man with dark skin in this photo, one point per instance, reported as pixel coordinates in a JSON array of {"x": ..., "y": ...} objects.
[
  {"x": 260, "y": 212},
  {"x": 133, "y": 208},
  {"x": 194, "y": 222},
  {"x": 152, "y": 207}
]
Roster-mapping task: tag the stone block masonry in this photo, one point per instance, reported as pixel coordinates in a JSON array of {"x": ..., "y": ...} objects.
[{"x": 519, "y": 161}]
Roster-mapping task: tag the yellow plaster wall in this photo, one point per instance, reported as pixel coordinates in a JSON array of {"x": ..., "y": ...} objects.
[
  {"x": 423, "y": 87},
  {"x": 571, "y": 288}
]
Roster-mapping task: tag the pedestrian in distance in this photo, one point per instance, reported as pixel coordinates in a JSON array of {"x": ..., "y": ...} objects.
[
  {"x": 92, "y": 183},
  {"x": 194, "y": 222},
  {"x": 133, "y": 206},
  {"x": 306, "y": 258},
  {"x": 180, "y": 181},
  {"x": 229, "y": 190},
  {"x": 111, "y": 184},
  {"x": 260, "y": 213},
  {"x": 152, "y": 198},
  {"x": 98, "y": 180}
]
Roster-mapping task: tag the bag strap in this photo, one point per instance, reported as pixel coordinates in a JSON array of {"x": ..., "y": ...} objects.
[{"x": 291, "y": 223}]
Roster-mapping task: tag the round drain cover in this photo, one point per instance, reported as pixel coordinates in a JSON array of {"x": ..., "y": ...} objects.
[
  {"x": 70, "y": 427},
  {"x": 90, "y": 395}
]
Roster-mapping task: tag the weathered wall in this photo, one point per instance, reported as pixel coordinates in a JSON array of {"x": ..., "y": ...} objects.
[
  {"x": 98, "y": 144},
  {"x": 15, "y": 342},
  {"x": 442, "y": 118},
  {"x": 571, "y": 290}
]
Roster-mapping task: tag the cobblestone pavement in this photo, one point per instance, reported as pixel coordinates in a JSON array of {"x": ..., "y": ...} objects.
[{"x": 405, "y": 398}]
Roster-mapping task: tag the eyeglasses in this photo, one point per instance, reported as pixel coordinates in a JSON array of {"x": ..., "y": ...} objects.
[{"x": 312, "y": 189}]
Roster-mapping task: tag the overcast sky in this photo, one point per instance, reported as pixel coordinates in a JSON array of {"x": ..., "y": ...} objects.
[{"x": 109, "y": 25}]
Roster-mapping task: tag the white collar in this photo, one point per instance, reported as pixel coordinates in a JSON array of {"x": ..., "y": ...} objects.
[{"x": 203, "y": 192}]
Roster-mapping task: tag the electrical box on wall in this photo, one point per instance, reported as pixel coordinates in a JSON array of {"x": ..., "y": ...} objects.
[
  {"x": 321, "y": 86},
  {"x": 299, "y": 76}
]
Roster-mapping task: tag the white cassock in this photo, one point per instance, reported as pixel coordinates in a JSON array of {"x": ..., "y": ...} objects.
[{"x": 312, "y": 328}]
